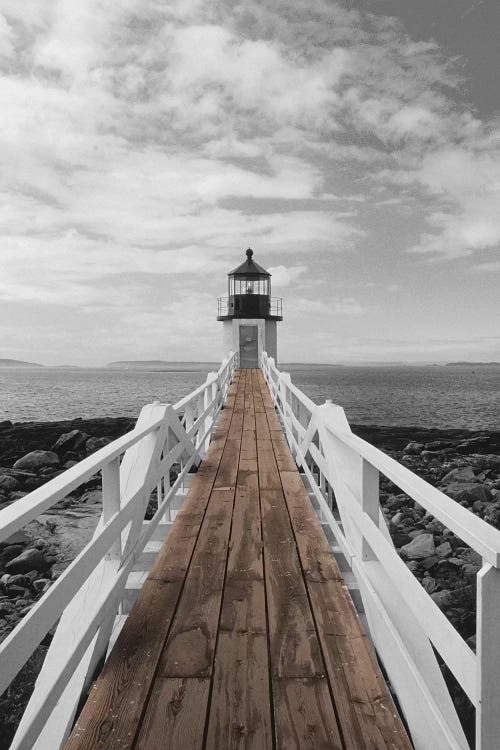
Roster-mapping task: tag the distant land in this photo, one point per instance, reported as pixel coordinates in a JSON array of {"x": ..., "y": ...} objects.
[
  {"x": 156, "y": 364},
  {"x": 476, "y": 364},
  {"x": 18, "y": 363}
]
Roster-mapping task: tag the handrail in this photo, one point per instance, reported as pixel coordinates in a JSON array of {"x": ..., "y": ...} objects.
[
  {"x": 87, "y": 595},
  {"x": 343, "y": 471}
]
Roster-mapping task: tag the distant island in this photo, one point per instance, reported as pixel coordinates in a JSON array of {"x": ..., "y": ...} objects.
[
  {"x": 475, "y": 364},
  {"x": 156, "y": 364},
  {"x": 18, "y": 363}
]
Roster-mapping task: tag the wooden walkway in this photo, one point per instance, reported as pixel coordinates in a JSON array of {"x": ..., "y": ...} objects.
[{"x": 244, "y": 635}]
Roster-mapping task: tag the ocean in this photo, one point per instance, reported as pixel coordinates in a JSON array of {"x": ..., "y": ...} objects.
[{"x": 461, "y": 396}]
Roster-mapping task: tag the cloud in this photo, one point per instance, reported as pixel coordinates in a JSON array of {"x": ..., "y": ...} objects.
[
  {"x": 145, "y": 144},
  {"x": 465, "y": 182},
  {"x": 284, "y": 276}
]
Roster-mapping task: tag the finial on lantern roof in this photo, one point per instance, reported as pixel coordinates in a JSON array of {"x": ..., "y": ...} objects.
[{"x": 249, "y": 254}]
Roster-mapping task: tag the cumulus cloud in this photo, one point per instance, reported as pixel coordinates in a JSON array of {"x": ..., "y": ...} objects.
[{"x": 143, "y": 144}]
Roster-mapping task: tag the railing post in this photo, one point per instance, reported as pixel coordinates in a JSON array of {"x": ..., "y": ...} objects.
[
  {"x": 488, "y": 658},
  {"x": 369, "y": 502},
  {"x": 111, "y": 502}
]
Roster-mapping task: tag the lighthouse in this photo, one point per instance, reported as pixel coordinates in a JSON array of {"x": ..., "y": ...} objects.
[{"x": 249, "y": 314}]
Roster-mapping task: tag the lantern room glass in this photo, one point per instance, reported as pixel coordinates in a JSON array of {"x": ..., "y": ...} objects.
[{"x": 249, "y": 285}]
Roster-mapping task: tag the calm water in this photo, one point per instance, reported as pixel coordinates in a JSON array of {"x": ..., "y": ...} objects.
[{"x": 463, "y": 396}]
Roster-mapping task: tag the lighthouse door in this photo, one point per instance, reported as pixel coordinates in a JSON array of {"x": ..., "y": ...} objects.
[{"x": 249, "y": 347}]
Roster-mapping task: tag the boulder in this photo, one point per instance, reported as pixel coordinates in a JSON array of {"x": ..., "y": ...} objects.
[
  {"x": 9, "y": 483},
  {"x": 420, "y": 547},
  {"x": 30, "y": 559},
  {"x": 413, "y": 448},
  {"x": 488, "y": 461},
  {"x": 473, "y": 445},
  {"x": 469, "y": 491},
  {"x": 461, "y": 474},
  {"x": 444, "y": 550},
  {"x": 94, "y": 443},
  {"x": 438, "y": 445},
  {"x": 70, "y": 441},
  {"x": 442, "y": 598},
  {"x": 37, "y": 460}
]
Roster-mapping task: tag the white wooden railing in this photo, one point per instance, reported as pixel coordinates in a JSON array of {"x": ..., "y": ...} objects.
[
  {"x": 405, "y": 623},
  {"x": 86, "y": 599}
]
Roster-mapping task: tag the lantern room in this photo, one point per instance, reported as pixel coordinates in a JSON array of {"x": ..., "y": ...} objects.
[{"x": 249, "y": 293}]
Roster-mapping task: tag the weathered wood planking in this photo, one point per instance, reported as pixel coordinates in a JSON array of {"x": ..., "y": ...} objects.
[
  {"x": 244, "y": 636},
  {"x": 170, "y": 720},
  {"x": 240, "y": 713},
  {"x": 366, "y": 711},
  {"x": 111, "y": 715}
]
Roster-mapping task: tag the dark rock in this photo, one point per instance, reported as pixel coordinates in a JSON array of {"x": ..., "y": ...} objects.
[
  {"x": 444, "y": 550},
  {"x": 470, "y": 570},
  {"x": 438, "y": 445},
  {"x": 412, "y": 566},
  {"x": 429, "y": 584},
  {"x": 70, "y": 441},
  {"x": 442, "y": 598},
  {"x": 8, "y": 483},
  {"x": 413, "y": 448},
  {"x": 6, "y": 608},
  {"x": 400, "y": 538},
  {"x": 472, "y": 445},
  {"x": 5, "y": 423},
  {"x": 17, "y": 580},
  {"x": 30, "y": 559},
  {"x": 488, "y": 461},
  {"x": 37, "y": 460},
  {"x": 492, "y": 516},
  {"x": 41, "y": 584},
  {"x": 95, "y": 443},
  {"x": 468, "y": 491},
  {"x": 430, "y": 562}
]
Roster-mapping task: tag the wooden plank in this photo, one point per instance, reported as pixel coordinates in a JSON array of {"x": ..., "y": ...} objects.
[
  {"x": 114, "y": 707},
  {"x": 245, "y": 556},
  {"x": 228, "y": 469},
  {"x": 240, "y": 718},
  {"x": 304, "y": 716},
  {"x": 262, "y": 426},
  {"x": 170, "y": 720},
  {"x": 362, "y": 702},
  {"x": 190, "y": 646},
  {"x": 295, "y": 650},
  {"x": 269, "y": 477},
  {"x": 282, "y": 453}
]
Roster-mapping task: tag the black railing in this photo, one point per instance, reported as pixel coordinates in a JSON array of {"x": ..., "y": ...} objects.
[{"x": 275, "y": 308}]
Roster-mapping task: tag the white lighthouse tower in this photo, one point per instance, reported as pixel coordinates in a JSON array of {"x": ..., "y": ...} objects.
[{"x": 249, "y": 314}]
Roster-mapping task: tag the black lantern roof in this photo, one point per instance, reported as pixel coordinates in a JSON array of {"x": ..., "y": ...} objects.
[{"x": 249, "y": 267}]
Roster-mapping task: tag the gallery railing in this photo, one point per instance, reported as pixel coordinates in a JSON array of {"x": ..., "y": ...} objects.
[
  {"x": 85, "y": 600},
  {"x": 406, "y": 625}
]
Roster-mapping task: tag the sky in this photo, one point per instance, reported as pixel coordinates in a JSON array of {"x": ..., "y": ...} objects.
[{"x": 354, "y": 145}]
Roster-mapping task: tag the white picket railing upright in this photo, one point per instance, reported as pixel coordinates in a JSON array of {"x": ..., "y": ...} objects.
[
  {"x": 405, "y": 623},
  {"x": 83, "y": 603}
]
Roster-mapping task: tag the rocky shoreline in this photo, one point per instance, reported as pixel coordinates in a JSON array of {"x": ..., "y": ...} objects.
[
  {"x": 464, "y": 464},
  {"x": 31, "y": 454}
]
